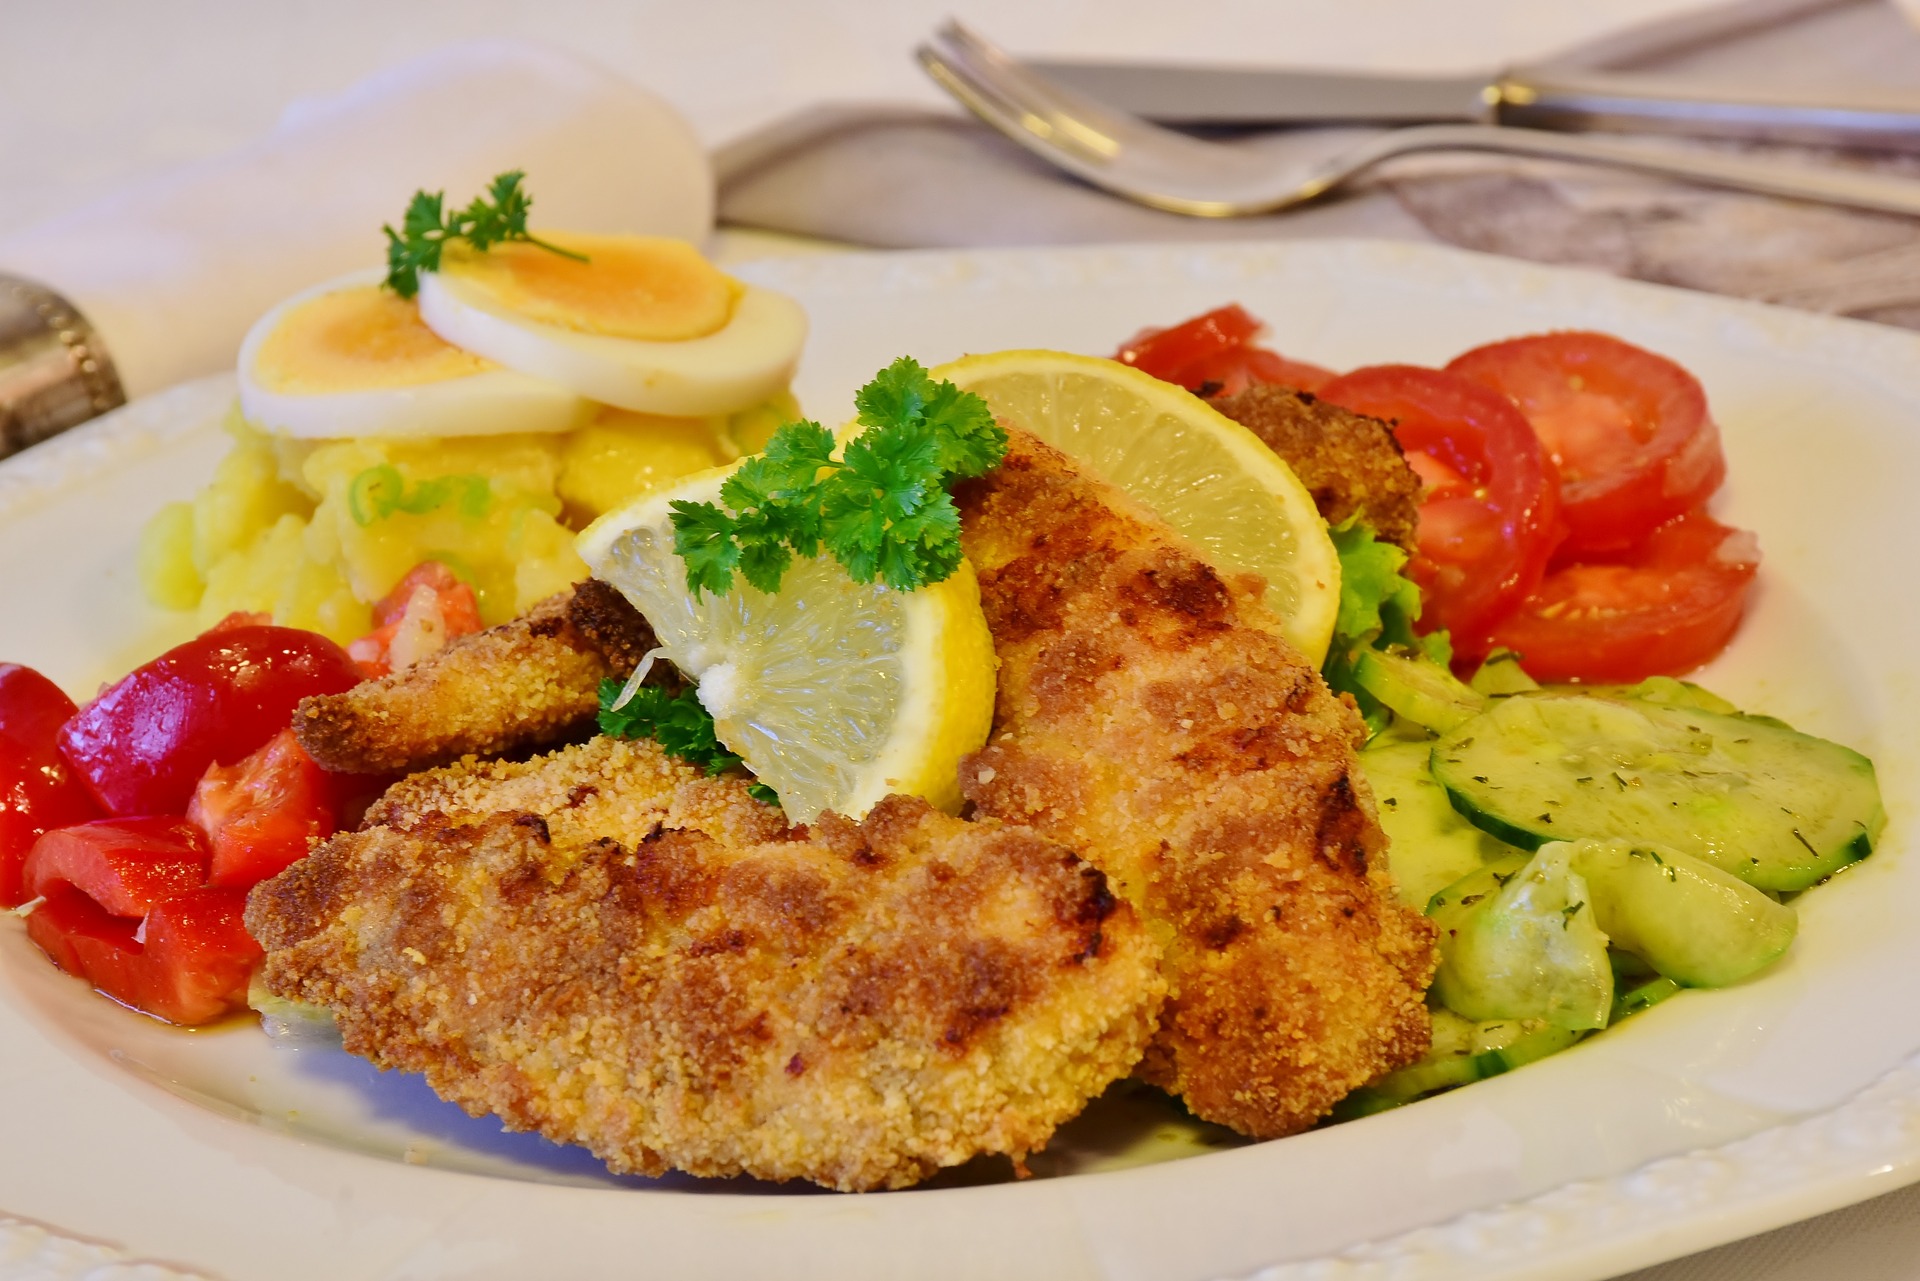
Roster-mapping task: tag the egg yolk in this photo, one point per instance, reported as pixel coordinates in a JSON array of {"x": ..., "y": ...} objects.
[
  {"x": 360, "y": 339},
  {"x": 647, "y": 288}
]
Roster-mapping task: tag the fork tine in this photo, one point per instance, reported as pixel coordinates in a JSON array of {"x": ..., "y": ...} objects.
[
  {"x": 1055, "y": 135},
  {"x": 1094, "y": 125},
  {"x": 986, "y": 101}
]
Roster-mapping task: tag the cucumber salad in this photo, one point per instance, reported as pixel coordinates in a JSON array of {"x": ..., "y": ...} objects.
[{"x": 1588, "y": 851}]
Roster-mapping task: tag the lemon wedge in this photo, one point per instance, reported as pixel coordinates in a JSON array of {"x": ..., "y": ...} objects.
[
  {"x": 835, "y": 693},
  {"x": 1207, "y": 476}
]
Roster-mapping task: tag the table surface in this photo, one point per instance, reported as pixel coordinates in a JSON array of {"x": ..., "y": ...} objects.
[{"x": 85, "y": 107}]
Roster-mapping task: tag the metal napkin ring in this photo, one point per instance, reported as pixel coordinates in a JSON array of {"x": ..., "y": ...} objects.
[{"x": 54, "y": 372}]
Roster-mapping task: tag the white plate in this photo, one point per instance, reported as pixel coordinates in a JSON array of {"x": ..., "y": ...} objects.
[{"x": 217, "y": 1151}]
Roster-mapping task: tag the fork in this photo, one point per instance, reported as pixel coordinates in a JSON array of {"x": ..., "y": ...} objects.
[{"x": 1166, "y": 170}]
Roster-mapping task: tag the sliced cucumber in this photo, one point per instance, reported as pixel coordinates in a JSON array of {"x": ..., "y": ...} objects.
[
  {"x": 1518, "y": 940},
  {"x": 1664, "y": 690},
  {"x": 1500, "y": 675},
  {"x": 1691, "y": 921},
  {"x": 1464, "y": 1051},
  {"x": 1429, "y": 846},
  {"x": 1777, "y": 808},
  {"x": 1417, "y": 688},
  {"x": 1648, "y": 993},
  {"x": 1530, "y": 1048}
]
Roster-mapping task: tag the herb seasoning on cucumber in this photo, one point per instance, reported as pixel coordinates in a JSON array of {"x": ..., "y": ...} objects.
[{"x": 1587, "y": 852}]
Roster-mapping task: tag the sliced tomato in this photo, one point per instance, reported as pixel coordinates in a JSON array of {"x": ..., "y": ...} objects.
[
  {"x": 1166, "y": 353},
  {"x": 261, "y": 815},
  {"x": 427, "y": 609},
  {"x": 126, "y": 865},
  {"x": 1490, "y": 520},
  {"x": 1234, "y": 371},
  {"x": 143, "y": 744},
  {"x": 38, "y": 790},
  {"x": 187, "y": 962},
  {"x": 1628, "y": 430},
  {"x": 1660, "y": 609},
  {"x": 1216, "y": 351}
]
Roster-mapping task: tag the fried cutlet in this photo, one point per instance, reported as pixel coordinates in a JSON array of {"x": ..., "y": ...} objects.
[
  {"x": 1349, "y": 462},
  {"x": 626, "y": 789},
  {"x": 860, "y": 1005},
  {"x": 1150, "y": 717},
  {"x": 517, "y": 687}
]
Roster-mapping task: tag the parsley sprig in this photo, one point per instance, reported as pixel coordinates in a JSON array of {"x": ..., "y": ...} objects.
[
  {"x": 881, "y": 508},
  {"x": 427, "y": 227},
  {"x": 678, "y": 722}
]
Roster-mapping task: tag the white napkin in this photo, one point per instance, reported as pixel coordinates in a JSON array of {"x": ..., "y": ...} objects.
[{"x": 172, "y": 272}]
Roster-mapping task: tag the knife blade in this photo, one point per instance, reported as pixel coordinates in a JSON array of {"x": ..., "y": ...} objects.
[{"x": 1200, "y": 95}]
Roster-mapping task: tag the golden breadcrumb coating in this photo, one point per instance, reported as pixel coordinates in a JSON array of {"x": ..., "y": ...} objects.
[
  {"x": 523, "y": 685},
  {"x": 859, "y": 1007},
  {"x": 1350, "y": 463},
  {"x": 626, "y": 789},
  {"x": 1150, "y": 718}
]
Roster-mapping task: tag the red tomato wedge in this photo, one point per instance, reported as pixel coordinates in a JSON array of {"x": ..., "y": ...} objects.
[
  {"x": 1490, "y": 520},
  {"x": 187, "y": 963},
  {"x": 261, "y": 815},
  {"x": 1628, "y": 430},
  {"x": 1216, "y": 349},
  {"x": 126, "y": 865},
  {"x": 38, "y": 790},
  {"x": 1663, "y": 608},
  {"x": 143, "y": 744}
]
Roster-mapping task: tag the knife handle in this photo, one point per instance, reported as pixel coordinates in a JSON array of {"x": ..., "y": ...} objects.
[{"x": 1541, "y": 99}]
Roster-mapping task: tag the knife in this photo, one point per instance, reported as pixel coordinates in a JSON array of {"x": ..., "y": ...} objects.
[{"x": 1539, "y": 99}]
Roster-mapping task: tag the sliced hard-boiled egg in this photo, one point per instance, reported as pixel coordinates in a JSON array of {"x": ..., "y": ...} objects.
[
  {"x": 643, "y": 323},
  {"x": 349, "y": 358}
]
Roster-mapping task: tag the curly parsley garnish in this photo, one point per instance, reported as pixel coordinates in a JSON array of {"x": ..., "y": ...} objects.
[
  {"x": 426, "y": 229},
  {"x": 677, "y": 722},
  {"x": 881, "y": 508}
]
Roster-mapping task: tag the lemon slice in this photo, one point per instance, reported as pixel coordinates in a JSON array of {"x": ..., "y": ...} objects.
[
  {"x": 1207, "y": 476},
  {"x": 835, "y": 693}
]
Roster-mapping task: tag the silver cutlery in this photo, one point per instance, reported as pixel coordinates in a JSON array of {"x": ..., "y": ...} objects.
[
  {"x": 1531, "y": 98},
  {"x": 1167, "y": 170}
]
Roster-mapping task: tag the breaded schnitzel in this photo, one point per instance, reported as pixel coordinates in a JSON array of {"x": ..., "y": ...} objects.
[
  {"x": 624, "y": 789},
  {"x": 1151, "y": 718},
  {"x": 1350, "y": 463},
  {"x": 526, "y": 684},
  {"x": 860, "y": 1005}
]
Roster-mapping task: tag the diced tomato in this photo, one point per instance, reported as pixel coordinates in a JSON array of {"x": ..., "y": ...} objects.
[
  {"x": 426, "y": 610},
  {"x": 38, "y": 790},
  {"x": 187, "y": 963},
  {"x": 143, "y": 744},
  {"x": 1628, "y": 430},
  {"x": 126, "y": 865},
  {"x": 1660, "y": 609},
  {"x": 1216, "y": 350},
  {"x": 261, "y": 815},
  {"x": 1490, "y": 520}
]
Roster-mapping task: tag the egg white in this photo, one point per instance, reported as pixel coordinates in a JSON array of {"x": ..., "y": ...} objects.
[
  {"x": 742, "y": 363},
  {"x": 488, "y": 403}
]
